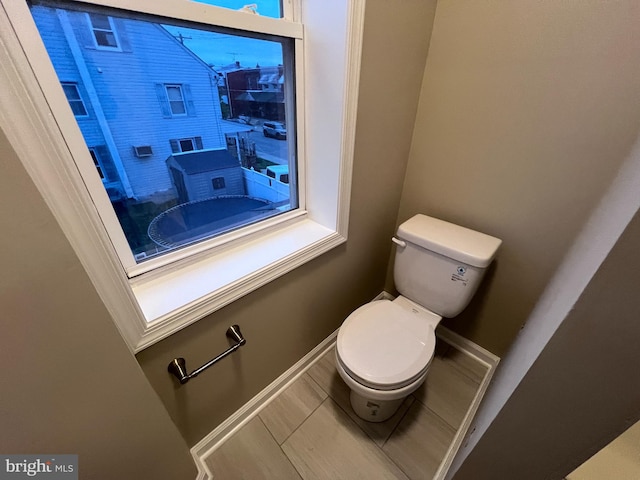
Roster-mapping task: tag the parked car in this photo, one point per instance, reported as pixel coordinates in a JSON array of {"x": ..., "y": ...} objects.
[{"x": 275, "y": 130}]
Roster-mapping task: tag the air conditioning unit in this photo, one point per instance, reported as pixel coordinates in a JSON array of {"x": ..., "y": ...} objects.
[{"x": 143, "y": 151}]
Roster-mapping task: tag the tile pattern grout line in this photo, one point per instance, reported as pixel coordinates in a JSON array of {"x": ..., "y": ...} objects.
[
  {"x": 370, "y": 434},
  {"x": 280, "y": 445}
]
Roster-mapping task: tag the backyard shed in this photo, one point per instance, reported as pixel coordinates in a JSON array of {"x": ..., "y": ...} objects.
[{"x": 202, "y": 174}]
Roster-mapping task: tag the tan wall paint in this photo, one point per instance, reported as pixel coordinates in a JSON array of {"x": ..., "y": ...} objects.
[
  {"x": 69, "y": 383},
  {"x": 619, "y": 459},
  {"x": 526, "y": 112},
  {"x": 284, "y": 320},
  {"x": 582, "y": 391}
]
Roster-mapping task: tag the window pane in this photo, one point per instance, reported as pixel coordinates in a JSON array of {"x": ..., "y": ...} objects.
[
  {"x": 71, "y": 91},
  {"x": 266, "y": 8},
  {"x": 96, "y": 163},
  {"x": 174, "y": 93},
  {"x": 211, "y": 105},
  {"x": 105, "y": 39},
  {"x": 72, "y": 94},
  {"x": 100, "y": 21}
]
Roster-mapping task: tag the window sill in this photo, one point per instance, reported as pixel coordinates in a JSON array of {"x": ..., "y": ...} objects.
[{"x": 175, "y": 300}]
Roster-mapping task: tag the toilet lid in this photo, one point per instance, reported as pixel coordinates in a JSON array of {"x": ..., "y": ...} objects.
[{"x": 385, "y": 346}]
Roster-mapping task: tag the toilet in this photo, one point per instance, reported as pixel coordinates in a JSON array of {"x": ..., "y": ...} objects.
[{"x": 385, "y": 348}]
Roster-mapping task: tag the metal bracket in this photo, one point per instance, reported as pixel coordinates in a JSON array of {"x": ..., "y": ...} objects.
[{"x": 178, "y": 366}]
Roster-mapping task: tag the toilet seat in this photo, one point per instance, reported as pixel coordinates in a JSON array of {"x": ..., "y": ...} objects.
[{"x": 385, "y": 346}]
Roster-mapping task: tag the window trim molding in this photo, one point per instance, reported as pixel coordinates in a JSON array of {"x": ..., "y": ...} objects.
[{"x": 26, "y": 120}]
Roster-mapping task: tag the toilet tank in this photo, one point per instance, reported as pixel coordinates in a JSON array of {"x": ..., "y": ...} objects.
[{"x": 439, "y": 265}]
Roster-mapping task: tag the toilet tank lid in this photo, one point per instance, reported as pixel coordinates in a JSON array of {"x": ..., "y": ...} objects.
[{"x": 453, "y": 241}]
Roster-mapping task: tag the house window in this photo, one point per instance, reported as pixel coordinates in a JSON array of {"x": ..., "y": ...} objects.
[
  {"x": 103, "y": 30},
  {"x": 186, "y": 51},
  {"x": 180, "y": 145},
  {"x": 75, "y": 100},
  {"x": 303, "y": 219},
  {"x": 218, "y": 183},
  {"x": 176, "y": 100},
  {"x": 96, "y": 163}
]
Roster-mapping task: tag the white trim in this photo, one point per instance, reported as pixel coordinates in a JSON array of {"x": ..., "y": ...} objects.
[
  {"x": 203, "y": 13},
  {"x": 253, "y": 407},
  {"x": 30, "y": 129},
  {"x": 491, "y": 362},
  {"x": 264, "y": 260},
  {"x": 26, "y": 118},
  {"x": 216, "y": 438},
  {"x": 93, "y": 28}
]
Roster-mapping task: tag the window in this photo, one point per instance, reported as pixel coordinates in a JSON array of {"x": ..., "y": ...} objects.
[
  {"x": 185, "y": 144},
  {"x": 96, "y": 163},
  {"x": 218, "y": 183},
  {"x": 150, "y": 290},
  {"x": 190, "y": 52},
  {"x": 103, "y": 31},
  {"x": 75, "y": 101},
  {"x": 176, "y": 101}
]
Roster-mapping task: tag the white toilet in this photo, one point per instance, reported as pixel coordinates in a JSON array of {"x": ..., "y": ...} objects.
[{"x": 384, "y": 348}]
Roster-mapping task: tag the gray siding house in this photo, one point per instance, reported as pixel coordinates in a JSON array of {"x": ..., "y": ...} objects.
[{"x": 138, "y": 95}]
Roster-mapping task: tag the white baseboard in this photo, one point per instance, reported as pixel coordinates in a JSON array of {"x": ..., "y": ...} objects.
[
  {"x": 491, "y": 361},
  {"x": 241, "y": 417},
  {"x": 253, "y": 407}
]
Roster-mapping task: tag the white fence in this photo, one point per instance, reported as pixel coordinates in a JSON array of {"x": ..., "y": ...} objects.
[{"x": 260, "y": 186}]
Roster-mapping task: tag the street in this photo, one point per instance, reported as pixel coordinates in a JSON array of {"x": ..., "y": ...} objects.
[{"x": 269, "y": 148}]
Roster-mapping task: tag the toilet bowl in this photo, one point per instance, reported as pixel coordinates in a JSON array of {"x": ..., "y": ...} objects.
[
  {"x": 384, "y": 348},
  {"x": 383, "y": 353}
]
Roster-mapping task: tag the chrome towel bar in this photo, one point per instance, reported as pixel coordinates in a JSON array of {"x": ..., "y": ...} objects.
[{"x": 178, "y": 366}]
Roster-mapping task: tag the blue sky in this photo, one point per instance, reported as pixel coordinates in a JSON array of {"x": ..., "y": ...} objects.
[{"x": 223, "y": 49}]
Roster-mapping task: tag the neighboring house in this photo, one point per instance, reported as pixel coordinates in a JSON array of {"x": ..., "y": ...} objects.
[
  {"x": 204, "y": 174},
  {"x": 137, "y": 93},
  {"x": 257, "y": 92}
]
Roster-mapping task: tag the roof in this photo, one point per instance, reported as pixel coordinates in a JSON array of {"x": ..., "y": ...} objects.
[
  {"x": 261, "y": 96},
  {"x": 201, "y": 161}
]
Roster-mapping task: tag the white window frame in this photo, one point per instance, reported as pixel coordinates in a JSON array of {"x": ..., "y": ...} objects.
[
  {"x": 79, "y": 99},
  {"x": 190, "y": 139},
  {"x": 94, "y": 29},
  {"x": 170, "y": 102},
  {"x": 38, "y": 122}
]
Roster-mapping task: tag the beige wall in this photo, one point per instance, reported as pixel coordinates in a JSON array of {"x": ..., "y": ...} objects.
[
  {"x": 284, "y": 320},
  {"x": 619, "y": 459},
  {"x": 582, "y": 391},
  {"x": 526, "y": 112},
  {"x": 69, "y": 383}
]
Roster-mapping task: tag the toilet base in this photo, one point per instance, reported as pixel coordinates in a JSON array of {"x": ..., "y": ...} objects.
[{"x": 372, "y": 410}]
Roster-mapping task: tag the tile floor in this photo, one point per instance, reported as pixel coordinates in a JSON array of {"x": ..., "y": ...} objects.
[{"x": 310, "y": 431}]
